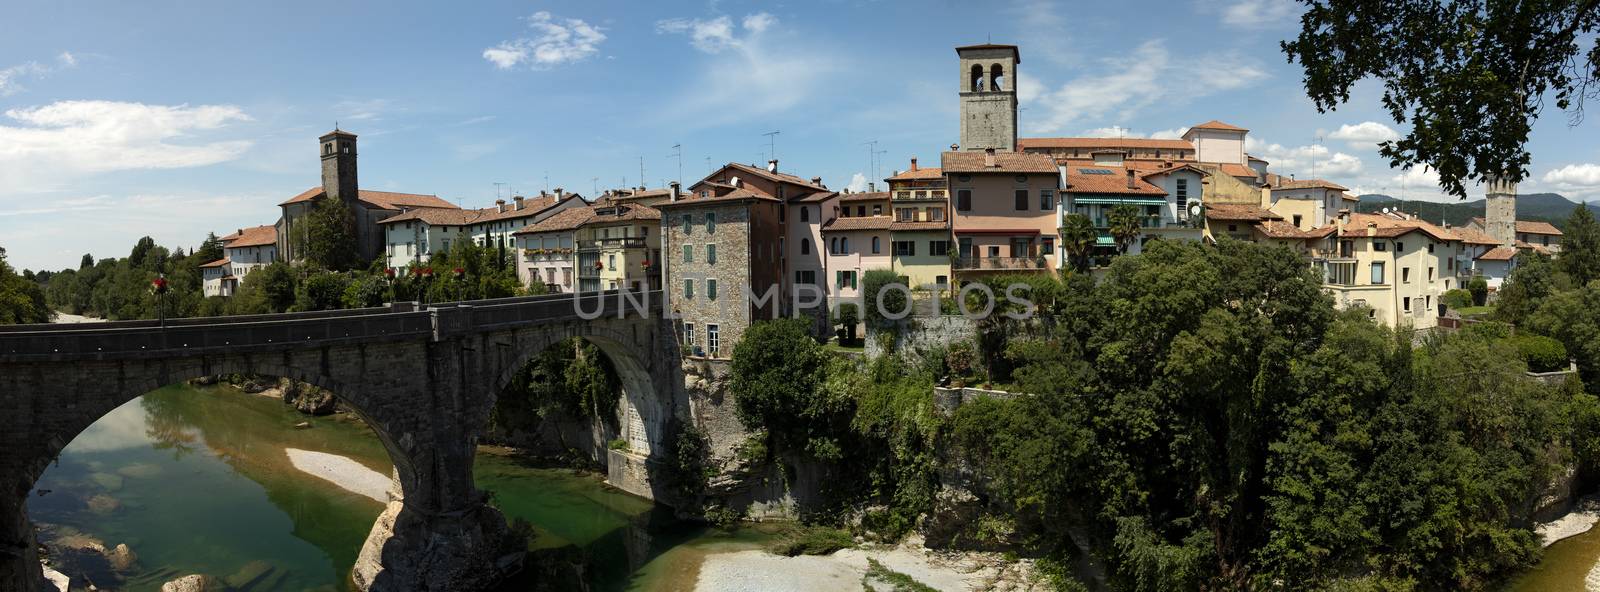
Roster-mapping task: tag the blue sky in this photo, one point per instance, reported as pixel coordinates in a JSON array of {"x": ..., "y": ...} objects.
[{"x": 171, "y": 119}]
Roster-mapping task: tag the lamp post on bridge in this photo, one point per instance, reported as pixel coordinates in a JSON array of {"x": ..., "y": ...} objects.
[
  {"x": 461, "y": 284},
  {"x": 158, "y": 286}
]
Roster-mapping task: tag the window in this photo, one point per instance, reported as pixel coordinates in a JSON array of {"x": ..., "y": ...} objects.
[
  {"x": 942, "y": 280},
  {"x": 994, "y": 250},
  {"x": 833, "y": 246},
  {"x": 1047, "y": 199},
  {"x": 905, "y": 214},
  {"x": 713, "y": 340},
  {"x": 1182, "y": 186},
  {"x": 688, "y": 253},
  {"x": 688, "y": 289},
  {"x": 711, "y": 289},
  {"x": 688, "y": 334},
  {"x": 1047, "y": 245},
  {"x": 1406, "y": 303},
  {"x": 1427, "y": 303},
  {"x": 711, "y": 222},
  {"x": 905, "y": 248},
  {"x": 964, "y": 200},
  {"x": 967, "y": 249},
  {"x": 686, "y": 224},
  {"x": 805, "y": 245},
  {"x": 1380, "y": 246},
  {"x": 1430, "y": 274},
  {"x": 611, "y": 262},
  {"x": 935, "y": 214},
  {"x": 711, "y": 254},
  {"x": 845, "y": 279},
  {"x": 877, "y": 210},
  {"x": 1430, "y": 247},
  {"x": 1022, "y": 199},
  {"x": 875, "y": 246},
  {"x": 1405, "y": 275},
  {"x": 806, "y": 277},
  {"x": 1297, "y": 220},
  {"x": 844, "y": 245},
  {"x": 805, "y": 214},
  {"x": 644, "y": 232},
  {"x": 1399, "y": 247},
  {"x": 939, "y": 248},
  {"x": 861, "y": 211},
  {"x": 1377, "y": 272}
]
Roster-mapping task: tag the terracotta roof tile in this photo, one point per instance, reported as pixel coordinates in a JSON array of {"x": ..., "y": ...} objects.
[
  {"x": 564, "y": 220},
  {"x": 864, "y": 196},
  {"x": 1236, "y": 170},
  {"x": 1498, "y": 254},
  {"x": 1005, "y": 162},
  {"x": 912, "y": 226},
  {"x": 1085, "y": 179},
  {"x": 921, "y": 173},
  {"x": 1245, "y": 212},
  {"x": 630, "y": 212},
  {"x": 815, "y": 197},
  {"x": 387, "y": 200},
  {"x": 218, "y": 263},
  {"x": 1217, "y": 125},
  {"x": 858, "y": 223},
  {"x": 1311, "y": 184},
  {"x": 740, "y": 194},
  {"x": 785, "y": 177},
  {"x": 1473, "y": 236},
  {"x": 255, "y": 236},
  {"x": 1281, "y": 229}
]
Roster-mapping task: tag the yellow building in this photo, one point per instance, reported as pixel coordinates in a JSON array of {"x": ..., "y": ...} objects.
[
  {"x": 1395, "y": 265},
  {"x": 920, "y": 231},
  {"x": 619, "y": 247}
]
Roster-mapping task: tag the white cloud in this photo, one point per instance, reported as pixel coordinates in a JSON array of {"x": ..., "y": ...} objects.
[
  {"x": 1365, "y": 134},
  {"x": 11, "y": 76},
  {"x": 858, "y": 183},
  {"x": 79, "y": 137},
  {"x": 776, "y": 70},
  {"x": 1575, "y": 176},
  {"x": 1148, "y": 75},
  {"x": 1305, "y": 161},
  {"x": 1115, "y": 131},
  {"x": 1170, "y": 134},
  {"x": 556, "y": 41},
  {"x": 1258, "y": 14}
]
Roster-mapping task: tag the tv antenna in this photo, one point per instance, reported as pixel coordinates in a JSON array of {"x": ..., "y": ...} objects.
[
  {"x": 872, "y": 155},
  {"x": 594, "y": 182},
  {"x": 1316, "y": 142},
  {"x": 772, "y": 143},
  {"x": 497, "y": 187},
  {"x": 641, "y": 171},
  {"x": 677, "y": 152}
]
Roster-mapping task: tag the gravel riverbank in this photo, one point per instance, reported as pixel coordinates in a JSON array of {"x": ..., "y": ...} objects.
[{"x": 347, "y": 474}]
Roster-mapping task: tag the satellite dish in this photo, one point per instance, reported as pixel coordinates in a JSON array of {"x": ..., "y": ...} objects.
[
  {"x": 1386, "y": 210},
  {"x": 1194, "y": 209}
]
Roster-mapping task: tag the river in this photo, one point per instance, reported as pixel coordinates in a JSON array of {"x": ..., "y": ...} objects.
[{"x": 196, "y": 480}]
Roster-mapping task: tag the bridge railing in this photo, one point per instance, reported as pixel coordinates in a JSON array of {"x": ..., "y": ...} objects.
[
  {"x": 208, "y": 321},
  {"x": 485, "y": 315}
]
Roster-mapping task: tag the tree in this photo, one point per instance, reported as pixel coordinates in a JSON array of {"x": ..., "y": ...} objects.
[
  {"x": 330, "y": 236},
  {"x": 86, "y": 262},
  {"x": 874, "y": 282},
  {"x": 1580, "y": 247},
  {"x": 1077, "y": 240},
  {"x": 1479, "y": 287},
  {"x": 1469, "y": 77},
  {"x": 777, "y": 379},
  {"x": 1125, "y": 226},
  {"x": 1530, "y": 282},
  {"x": 21, "y": 301},
  {"x": 210, "y": 249}
]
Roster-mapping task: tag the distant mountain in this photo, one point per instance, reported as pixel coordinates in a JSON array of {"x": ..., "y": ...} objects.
[{"x": 1549, "y": 207}]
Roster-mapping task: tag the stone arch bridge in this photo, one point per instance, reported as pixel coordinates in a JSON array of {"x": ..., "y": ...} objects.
[{"x": 425, "y": 379}]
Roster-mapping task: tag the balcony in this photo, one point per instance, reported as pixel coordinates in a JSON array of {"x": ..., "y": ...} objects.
[
  {"x": 1339, "y": 272},
  {"x": 532, "y": 255},
  {"x": 1144, "y": 222},
  {"x": 999, "y": 263},
  {"x": 631, "y": 242}
]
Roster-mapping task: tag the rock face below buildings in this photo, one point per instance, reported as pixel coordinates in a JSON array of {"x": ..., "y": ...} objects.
[
  {"x": 470, "y": 551},
  {"x": 306, "y": 398}
]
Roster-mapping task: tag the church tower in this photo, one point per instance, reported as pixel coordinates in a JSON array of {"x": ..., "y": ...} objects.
[
  {"x": 1500, "y": 210},
  {"x": 988, "y": 75},
  {"x": 339, "y": 166}
]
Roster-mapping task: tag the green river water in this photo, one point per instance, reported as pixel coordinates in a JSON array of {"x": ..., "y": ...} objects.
[{"x": 196, "y": 480}]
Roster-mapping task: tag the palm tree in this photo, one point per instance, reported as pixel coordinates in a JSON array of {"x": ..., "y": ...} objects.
[
  {"x": 1125, "y": 227},
  {"x": 1077, "y": 238}
]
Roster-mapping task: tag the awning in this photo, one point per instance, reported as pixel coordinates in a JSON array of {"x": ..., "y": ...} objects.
[
  {"x": 1137, "y": 201},
  {"x": 1105, "y": 241}
]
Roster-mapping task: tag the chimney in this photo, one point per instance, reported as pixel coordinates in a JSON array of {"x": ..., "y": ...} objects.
[
  {"x": 675, "y": 191},
  {"x": 772, "y": 166},
  {"x": 872, "y": 186},
  {"x": 988, "y": 158},
  {"x": 500, "y": 205},
  {"x": 954, "y": 147},
  {"x": 913, "y": 163},
  {"x": 560, "y": 192},
  {"x": 1130, "y": 179},
  {"x": 816, "y": 181},
  {"x": 519, "y": 201},
  {"x": 1372, "y": 229}
]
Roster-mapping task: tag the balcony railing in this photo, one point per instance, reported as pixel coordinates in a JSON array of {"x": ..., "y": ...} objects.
[
  {"x": 1144, "y": 222},
  {"x": 546, "y": 254},
  {"x": 999, "y": 263},
  {"x": 631, "y": 242}
]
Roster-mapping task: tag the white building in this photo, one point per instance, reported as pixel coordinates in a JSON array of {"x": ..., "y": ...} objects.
[
  {"x": 413, "y": 235},
  {"x": 243, "y": 252},
  {"x": 547, "y": 249}
]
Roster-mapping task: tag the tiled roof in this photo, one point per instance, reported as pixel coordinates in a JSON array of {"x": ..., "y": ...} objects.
[
  {"x": 1391, "y": 227},
  {"x": 564, "y": 220},
  {"x": 1527, "y": 226},
  {"x": 1348, "y": 197},
  {"x": 386, "y": 200},
  {"x": 1114, "y": 180},
  {"x": 1473, "y": 236},
  {"x": 1246, "y": 212},
  {"x": 1236, "y": 170},
  {"x": 1026, "y": 143},
  {"x": 629, "y": 213},
  {"x": 1254, "y": 158},
  {"x": 1311, "y": 184},
  {"x": 1217, "y": 125},
  {"x": 815, "y": 197},
  {"x": 864, "y": 196},
  {"x": 785, "y": 177},
  {"x": 218, "y": 263},
  {"x": 532, "y": 206},
  {"x": 910, "y": 226},
  {"x": 858, "y": 223},
  {"x": 740, "y": 194},
  {"x": 1498, "y": 254},
  {"x": 255, "y": 236},
  {"x": 434, "y": 216},
  {"x": 1005, "y": 162},
  {"x": 921, "y": 173},
  {"x": 1281, "y": 229},
  {"x": 1014, "y": 51}
]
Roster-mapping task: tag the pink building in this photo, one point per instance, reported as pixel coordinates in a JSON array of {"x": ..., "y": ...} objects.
[{"x": 1004, "y": 211}]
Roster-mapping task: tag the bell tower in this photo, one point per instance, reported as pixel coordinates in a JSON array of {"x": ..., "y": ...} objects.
[
  {"x": 988, "y": 75},
  {"x": 339, "y": 166},
  {"x": 1500, "y": 210}
]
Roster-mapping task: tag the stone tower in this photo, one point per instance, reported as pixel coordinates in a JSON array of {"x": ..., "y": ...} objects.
[
  {"x": 988, "y": 76},
  {"x": 339, "y": 182},
  {"x": 1500, "y": 210}
]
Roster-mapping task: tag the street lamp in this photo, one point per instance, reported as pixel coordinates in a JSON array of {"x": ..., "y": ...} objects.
[
  {"x": 158, "y": 286},
  {"x": 388, "y": 274},
  {"x": 461, "y": 285}
]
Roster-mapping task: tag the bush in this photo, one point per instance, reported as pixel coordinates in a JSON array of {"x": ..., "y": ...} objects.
[
  {"x": 618, "y": 444},
  {"x": 1543, "y": 354},
  {"x": 959, "y": 358},
  {"x": 1457, "y": 299},
  {"x": 813, "y": 541},
  {"x": 1479, "y": 288}
]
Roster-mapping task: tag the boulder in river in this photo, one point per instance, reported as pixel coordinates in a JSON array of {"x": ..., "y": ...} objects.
[
  {"x": 307, "y": 399},
  {"x": 193, "y": 583},
  {"x": 122, "y": 558},
  {"x": 103, "y": 504}
]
